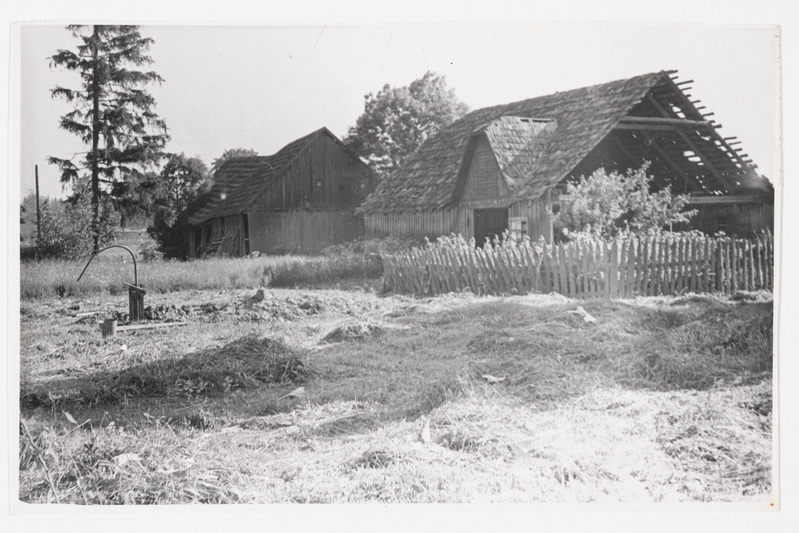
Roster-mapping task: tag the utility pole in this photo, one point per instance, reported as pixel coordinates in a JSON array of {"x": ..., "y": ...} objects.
[{"x": 38, "y": 213}]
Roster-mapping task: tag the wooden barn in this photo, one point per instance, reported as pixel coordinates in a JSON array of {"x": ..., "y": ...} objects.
[
  {"x": 506, "y": 167},
  {"x": 301, "y": 199}
]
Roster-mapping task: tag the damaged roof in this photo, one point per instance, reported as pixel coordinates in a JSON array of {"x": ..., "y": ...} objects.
[{"x": 536, "y": 142}]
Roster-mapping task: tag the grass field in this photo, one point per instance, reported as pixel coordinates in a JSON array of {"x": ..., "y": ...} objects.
[
  {"x": 106, "y": 274},
  {"x": 452, "y": 399}
]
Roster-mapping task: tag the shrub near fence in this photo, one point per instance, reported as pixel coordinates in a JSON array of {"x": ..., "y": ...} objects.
[{"x": 623, "y": 268}]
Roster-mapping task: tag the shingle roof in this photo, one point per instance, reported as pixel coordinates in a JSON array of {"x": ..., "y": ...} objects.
[
  {"x": 239, "y": 181},
  {"x": 584, "y": 116},
  {"x": 518, "y": 143}
]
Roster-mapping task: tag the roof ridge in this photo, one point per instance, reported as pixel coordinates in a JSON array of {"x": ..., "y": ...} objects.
[
  {"x": 263, "y": 166},
  {"x": 428, "y": 178}
]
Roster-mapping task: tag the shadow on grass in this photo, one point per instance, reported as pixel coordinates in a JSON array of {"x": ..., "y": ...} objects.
[
  {"x": 540, "y": 354},
  {"x": 248, "y": 362}
]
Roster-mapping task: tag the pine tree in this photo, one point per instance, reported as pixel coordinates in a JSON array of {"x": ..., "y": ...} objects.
[{"x": 113, "y": 114}]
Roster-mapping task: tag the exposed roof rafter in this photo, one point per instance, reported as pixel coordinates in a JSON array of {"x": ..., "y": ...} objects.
[{"x": 696, "y": 150}]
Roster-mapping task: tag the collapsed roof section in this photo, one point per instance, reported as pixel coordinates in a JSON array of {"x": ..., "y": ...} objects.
[{"x": 542, "y": 142}]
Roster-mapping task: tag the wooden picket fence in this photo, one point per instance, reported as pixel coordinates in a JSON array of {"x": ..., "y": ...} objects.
[{"x": 623, "y": 268}]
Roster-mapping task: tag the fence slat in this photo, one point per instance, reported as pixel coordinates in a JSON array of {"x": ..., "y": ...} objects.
[
  {"x": 614, "y": 269},
  {"x": 632, "y": 259},
  {"x": 769, "y": 258},
  {"x": 561, "y": 262},
  {"x": 621, "y": 268},
  {"x": 574, "y": 263}
]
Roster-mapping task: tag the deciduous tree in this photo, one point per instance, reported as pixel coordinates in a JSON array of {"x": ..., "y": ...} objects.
[
  {"x": 397, "y": 120},
  {"x": 182, "y": 180},
  {"x": 230, "y": 154}
]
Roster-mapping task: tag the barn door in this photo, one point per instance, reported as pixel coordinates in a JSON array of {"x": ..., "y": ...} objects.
[{"x": 489, "y": 223}]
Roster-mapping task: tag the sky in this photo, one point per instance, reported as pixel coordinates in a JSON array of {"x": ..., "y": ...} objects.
[{"x": 261, "y": 87}]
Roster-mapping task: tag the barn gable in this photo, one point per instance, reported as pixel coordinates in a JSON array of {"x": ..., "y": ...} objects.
[
  {"x": 498, "y": 156},
  {"x": 302, "y": 198}
]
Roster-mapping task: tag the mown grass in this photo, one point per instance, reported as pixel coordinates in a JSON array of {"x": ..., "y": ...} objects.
[
  {"x": 49, "y": 278},
  {"x": 661, "y": 399}
]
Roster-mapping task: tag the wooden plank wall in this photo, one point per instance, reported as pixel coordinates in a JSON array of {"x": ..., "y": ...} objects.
[
  {"x": 324, "y": 176},
  {"x": 484, "y": 179},
  {"x": 539, "y": 221},
  {"x": 302, "y": 230},
  {"x": 430, "y": 224},
  {"x": 741, "y": 219},
  {"x": 456, "y": 221}
]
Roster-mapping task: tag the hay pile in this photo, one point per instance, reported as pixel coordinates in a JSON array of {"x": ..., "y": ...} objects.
[{"x": 353, "y": 332}]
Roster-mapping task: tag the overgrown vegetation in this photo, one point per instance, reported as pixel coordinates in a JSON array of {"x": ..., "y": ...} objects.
[
  {"x": 607, "y": 203},
  {"x": 354, "y": 262},
  {"x": 182, "y": 181},
  {"x": 66, "y": 229},
  {"x": 355, "y": 398}
]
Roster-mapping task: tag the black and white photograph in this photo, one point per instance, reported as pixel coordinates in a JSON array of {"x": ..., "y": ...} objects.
[{"x": 396, "y": 263}]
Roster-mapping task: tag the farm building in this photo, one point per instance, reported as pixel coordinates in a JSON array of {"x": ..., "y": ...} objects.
[
  {"x": 506, "y": 167},
  {"x": 302, "y": 199}
]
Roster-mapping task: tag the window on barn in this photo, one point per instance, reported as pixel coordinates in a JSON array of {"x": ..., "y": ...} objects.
[{"x": 518, "y": 227}]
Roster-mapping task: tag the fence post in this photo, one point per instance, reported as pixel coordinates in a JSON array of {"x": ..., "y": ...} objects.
[{"x": 564, "y": 281}]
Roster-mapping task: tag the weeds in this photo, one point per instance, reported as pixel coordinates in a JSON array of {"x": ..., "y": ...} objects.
[
  {"x": 49, "y": 278},
  {"x": 659, "y": 400}
]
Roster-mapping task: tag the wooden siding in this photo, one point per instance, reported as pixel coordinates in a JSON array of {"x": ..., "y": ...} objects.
[
  {"x": 301, "y": 230},
  {"x": 734, "y": 219},
  {"x": 484, "y": 179},
  {"x": 324, "y": 176},
  {"x": 430, "y": 224},
  {"x": 539, "y": 220}
]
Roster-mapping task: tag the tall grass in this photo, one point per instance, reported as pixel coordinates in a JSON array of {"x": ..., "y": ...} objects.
[{"x": 51, "y": 278}]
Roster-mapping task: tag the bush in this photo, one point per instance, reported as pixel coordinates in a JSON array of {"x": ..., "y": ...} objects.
[
  {"x": 170, "y": 239},
  {"x": 66, "y": 229},
  {"x": 609, "y": 203},
  {"x": 149, "y": 250}
]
